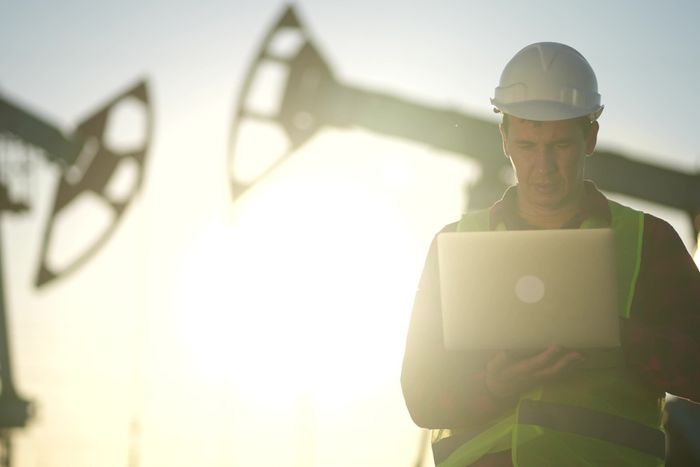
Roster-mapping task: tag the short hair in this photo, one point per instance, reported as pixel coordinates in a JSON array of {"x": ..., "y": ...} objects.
[{"x": 584, "y": 123}]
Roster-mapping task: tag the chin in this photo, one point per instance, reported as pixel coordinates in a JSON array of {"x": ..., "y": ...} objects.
[{"x": 547, "y": 200}]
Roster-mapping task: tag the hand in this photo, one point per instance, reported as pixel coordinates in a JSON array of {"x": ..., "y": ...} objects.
[{"x": 506, "y": 377}]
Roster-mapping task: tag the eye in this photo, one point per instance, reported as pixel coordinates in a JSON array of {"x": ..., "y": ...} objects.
[{"x": 563, "y": 145}]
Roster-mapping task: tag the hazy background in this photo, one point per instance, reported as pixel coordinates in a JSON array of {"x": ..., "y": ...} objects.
[{"x": 270, "y": 332}]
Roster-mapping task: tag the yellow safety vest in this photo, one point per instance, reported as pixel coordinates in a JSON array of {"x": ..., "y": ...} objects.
[{"x": 600, "y": 415}]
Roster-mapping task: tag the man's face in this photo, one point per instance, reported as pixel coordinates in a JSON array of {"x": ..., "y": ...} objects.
[{"x": 548, "y": 159}]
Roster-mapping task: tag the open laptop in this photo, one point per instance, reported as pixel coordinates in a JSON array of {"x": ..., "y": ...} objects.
[{"x": 528, "y": 289}]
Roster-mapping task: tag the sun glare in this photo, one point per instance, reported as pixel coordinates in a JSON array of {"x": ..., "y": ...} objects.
[
  {"x": 306, "y": 296},
  {"x": 297, "y": 299},
  {"x": 308, "y": 284}
]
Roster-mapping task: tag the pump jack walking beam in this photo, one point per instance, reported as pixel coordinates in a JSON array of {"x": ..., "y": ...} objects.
[{"x": 313, "y": 98}]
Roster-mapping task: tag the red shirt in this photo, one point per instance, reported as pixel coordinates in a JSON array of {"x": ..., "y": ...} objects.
[{"x": 661, "y": 339}]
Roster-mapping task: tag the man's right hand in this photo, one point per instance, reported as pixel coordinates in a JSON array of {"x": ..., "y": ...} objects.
[{"x": 508, "y": 377}]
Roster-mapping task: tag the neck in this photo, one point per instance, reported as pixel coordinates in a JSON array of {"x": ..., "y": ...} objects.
[{"x": 549, "y": 217}]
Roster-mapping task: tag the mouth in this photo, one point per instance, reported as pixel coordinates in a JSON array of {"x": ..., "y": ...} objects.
[{"x": 545, "y": 187}]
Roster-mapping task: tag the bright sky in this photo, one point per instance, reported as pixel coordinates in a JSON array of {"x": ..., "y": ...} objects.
[{"x": 270, "y": 332}]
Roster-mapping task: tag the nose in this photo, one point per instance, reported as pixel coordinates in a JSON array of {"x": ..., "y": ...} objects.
[{"x": 544, "y": 160}]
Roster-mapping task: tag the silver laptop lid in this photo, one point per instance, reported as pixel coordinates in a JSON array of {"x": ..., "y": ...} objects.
[{"x": 528, "y": 289}]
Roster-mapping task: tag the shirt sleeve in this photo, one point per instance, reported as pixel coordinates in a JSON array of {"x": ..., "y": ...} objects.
[
  {"x": 442, "y": 389},
  {"x": 662, "y": 337}
]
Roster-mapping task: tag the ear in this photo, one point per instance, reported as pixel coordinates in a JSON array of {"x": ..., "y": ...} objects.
[
  {"x": 504, "y": 139},
  {"x": 592, "y": 138}
]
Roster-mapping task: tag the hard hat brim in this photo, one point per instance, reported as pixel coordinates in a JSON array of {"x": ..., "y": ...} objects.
[{"x": 546, "y": 111}]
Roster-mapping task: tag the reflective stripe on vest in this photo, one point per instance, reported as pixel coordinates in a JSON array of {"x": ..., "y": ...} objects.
[
  {"x": 637, "y": 436},
  {"x": 576, "y": 420},
  {"x": 593, "y": 424}
]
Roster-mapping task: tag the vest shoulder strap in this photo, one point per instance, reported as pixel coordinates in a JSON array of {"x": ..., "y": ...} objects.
[
  {"x": 475, "y": 221},
  {"x": 628, "y": 227}
]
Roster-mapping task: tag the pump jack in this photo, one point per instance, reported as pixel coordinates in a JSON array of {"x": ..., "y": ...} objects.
[{"x": 93, "y": 175}]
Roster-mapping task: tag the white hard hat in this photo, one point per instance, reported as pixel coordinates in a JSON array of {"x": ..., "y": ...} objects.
[{"x": 548, "y": 81}]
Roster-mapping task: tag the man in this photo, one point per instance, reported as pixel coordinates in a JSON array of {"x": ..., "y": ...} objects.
[{"x": 561, "y": 407}]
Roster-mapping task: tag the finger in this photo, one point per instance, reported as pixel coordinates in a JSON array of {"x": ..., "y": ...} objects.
[
  {"x": 565, "y": 362},
  {"x": 541, "y": 360}
]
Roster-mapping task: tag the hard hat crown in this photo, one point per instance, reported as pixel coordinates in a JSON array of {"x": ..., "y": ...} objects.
[{"x": 548, "y": 81}]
